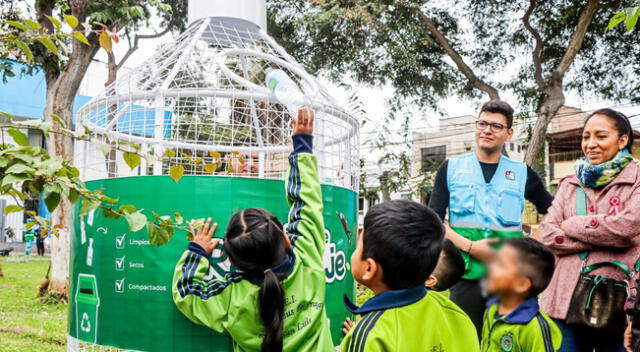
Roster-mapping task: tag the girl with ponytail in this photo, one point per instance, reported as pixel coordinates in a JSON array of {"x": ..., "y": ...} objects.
[{"x": 275, "y": 300}]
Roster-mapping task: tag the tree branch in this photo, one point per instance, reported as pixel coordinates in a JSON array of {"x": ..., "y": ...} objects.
[
  {"x": 576, "y": 40},
  {"x": 610, "y": 5},
  {"x": 134, "y": 47},
  {"x": 537, "y": 50},
  {"x": 474, "y": 81}
]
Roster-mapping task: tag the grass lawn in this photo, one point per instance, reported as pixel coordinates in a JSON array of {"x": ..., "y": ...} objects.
[{"x": 26, "y": 323}]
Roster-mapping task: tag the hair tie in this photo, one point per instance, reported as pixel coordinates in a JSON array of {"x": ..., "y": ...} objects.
[{"x": 266, "y": 271}]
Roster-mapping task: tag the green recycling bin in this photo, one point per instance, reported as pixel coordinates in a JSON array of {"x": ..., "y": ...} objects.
[{"x": 87, "y": 304}]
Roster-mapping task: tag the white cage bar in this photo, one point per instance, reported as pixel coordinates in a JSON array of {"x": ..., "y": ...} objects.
[{"x": 204, "y": 98}]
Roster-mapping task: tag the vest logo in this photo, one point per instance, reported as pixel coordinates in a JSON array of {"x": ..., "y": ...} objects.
[
  {"x": 506, "y": 342},
  {"x": 335, "y": 262},
  {"x": 510, "y": 175}
]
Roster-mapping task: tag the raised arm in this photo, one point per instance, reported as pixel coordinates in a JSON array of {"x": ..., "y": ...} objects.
[
  {"x": 304, "y": 195},
  {"x": 606, "y": 230},
  {"x": 551, "y": 232},
  {"x": 203, "y": 301}
]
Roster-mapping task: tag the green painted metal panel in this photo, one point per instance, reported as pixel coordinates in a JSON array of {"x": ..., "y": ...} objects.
[{"x": 122, "y": 285}]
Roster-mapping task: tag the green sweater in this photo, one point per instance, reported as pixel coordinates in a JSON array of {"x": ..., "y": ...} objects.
[
  {"x": 410, "y": 320},
  {"x": 231, "y": 304},
  {"x": 526, "y": 329}
]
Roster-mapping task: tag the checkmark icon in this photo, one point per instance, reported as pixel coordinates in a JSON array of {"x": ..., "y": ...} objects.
[
  {"x": 120, "y": 241},
  {"x": 120, "y": 285},
  {"x": 120, "y": 264}
]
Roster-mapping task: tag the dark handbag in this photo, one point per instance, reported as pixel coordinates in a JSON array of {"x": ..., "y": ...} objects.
[{"x": 598, "y": 301}]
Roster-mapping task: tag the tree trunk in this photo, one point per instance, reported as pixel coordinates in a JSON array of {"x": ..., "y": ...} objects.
[
  {"x": 59, "y": 145},
  {"x": 61, "y": 93},
  {"x": 110, "y": 158},
  {"x": 554, "y": 99}
]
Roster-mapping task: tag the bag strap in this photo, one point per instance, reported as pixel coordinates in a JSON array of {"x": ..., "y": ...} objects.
[
  {"x": 581, "y": 210},
  {"x": 589, "y": 268}
]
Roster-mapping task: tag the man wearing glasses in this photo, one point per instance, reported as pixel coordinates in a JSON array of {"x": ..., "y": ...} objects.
[{"x": 484, "y": 192}]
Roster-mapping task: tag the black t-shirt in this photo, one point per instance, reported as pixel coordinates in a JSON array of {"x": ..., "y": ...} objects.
[{"x": 535, "y": 192}]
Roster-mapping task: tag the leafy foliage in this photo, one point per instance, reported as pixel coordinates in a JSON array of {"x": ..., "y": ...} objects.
[{"x": 629, "y": 16}]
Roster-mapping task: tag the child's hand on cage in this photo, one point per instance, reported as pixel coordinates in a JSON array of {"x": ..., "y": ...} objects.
[
  {"x": 204, "y": 237},
  {"x": 304, "y": 122}
]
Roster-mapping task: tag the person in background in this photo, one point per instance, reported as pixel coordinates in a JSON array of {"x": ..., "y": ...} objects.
[
  {"x": 608, "y": 232},
  {"x": 484, "y": 193},
  {"x": 40, "y": 237},
  {"x": 513, "y": 322},
  {"x": 395, "y": 254}
]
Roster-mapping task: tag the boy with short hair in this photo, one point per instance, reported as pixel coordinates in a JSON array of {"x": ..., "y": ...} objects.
[
  {"x": 449, "y": 270},
  {"x": 395, "y": 254},
  {"x": 513, "y": 321}
]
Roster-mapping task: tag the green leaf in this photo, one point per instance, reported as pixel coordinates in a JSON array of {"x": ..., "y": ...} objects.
[
  {"x": 71, "y": 20},
  {"x": 110, "y": 213},
  {"x": 18, "y": 137},
  {"x": 633, "y": 19},
  {"x": 102, "y": 146},
  {"x": 79, "y": 36},
  {"x": 136, "y": 220},
  {"x": 32, "y": 24},
  {"x": 25, "y": 49},
  {"x": 18, "y": 25},
  {"x": 616, "y": 20},
  {"x": 88, "y": 206},
  {"x": 73, "y": 196},
  {"x": 127, "y": 208},
  {"x": 12, "y": 208},
  {"x": 132, "y": 159},
  {"x": 169, "y": 153},
  {"x": 176, "y": 172},
  {"x": 48, "y": 44},
  {"x": 55, "y": 22},
  {"x": 159, "y": 234},
  {"x": 52, "y": 200},
  {"x": 13, "y": 178},
  {"x": 18, "y": 169},
  {"x": 59, "y": 120}
]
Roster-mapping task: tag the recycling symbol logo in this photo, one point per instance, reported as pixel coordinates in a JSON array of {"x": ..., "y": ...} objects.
[{"x": 85, "y": 324}]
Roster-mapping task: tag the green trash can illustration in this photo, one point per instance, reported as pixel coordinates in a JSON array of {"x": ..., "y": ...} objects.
[{"x": 87, "y": 305}]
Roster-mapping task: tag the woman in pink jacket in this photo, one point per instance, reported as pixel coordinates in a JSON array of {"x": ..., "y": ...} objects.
[{"x": 611, "y": 181}]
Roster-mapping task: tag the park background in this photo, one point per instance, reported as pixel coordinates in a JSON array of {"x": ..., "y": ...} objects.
[{"x": 414, "y": 100}]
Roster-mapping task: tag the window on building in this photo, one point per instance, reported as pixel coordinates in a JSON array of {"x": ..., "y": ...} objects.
[
  {"x": 360, "y": 203},
  {"x": 512, "y": 146},
  {"x": 432, "y": 157}
]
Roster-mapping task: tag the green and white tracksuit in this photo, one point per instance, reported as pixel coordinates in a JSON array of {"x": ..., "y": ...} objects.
[
  {"x": 479, "y": 210},
  {"x": 526, "y": 329},
  {"x": 410, "y": 320},
  {"x": 231, "y": 304}
]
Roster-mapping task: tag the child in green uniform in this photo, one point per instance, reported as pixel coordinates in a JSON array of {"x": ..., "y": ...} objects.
[
  {"x": 395, "y": 255},
  {"x": 276, "y": 301},
  {"x": 513, "y": 321}
]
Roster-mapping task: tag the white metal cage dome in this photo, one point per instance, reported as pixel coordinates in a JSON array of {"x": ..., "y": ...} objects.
[{"x": 204, "y": 98}]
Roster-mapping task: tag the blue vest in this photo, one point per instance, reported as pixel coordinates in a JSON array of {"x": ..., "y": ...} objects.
[{"x": 496, "y": 206}]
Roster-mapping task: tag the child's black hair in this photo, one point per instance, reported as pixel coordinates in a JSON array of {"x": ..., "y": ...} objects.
[
  {"x": 405, "y": 238},
  {"x": 536, "y": 262},
  {"x": 450, "y": 267},
  {"x": 255, "y": 243},
  {"x": 620, "y": 120}
]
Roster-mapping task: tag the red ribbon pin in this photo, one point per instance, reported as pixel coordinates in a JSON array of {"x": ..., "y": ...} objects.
[{"x": 615, "y": 205}]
